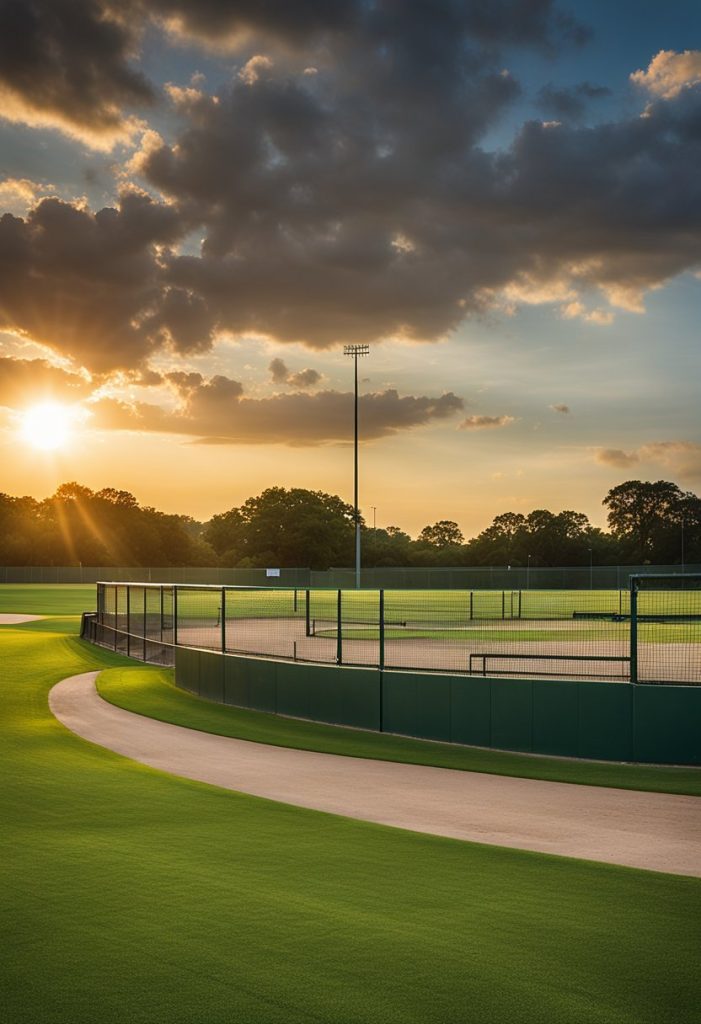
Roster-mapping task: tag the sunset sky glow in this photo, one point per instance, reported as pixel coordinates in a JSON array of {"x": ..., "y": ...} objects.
[{"x": 503, "y": 200}]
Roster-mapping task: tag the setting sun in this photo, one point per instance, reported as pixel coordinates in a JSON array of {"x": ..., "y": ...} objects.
[{"x": 49, "y": 426}]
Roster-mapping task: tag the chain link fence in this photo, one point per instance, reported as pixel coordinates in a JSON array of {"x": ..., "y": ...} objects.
[
  {"x": 650, "y": 633},
  {"x": 513, "y": 578}
]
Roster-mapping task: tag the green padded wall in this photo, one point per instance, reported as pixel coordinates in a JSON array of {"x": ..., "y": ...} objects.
[
  {"x": 606, "y": 721},
  {"x": 667, "y": 724}
]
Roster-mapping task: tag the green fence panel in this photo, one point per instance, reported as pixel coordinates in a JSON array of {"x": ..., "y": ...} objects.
[
  {"x": 187, "y": 669},
  {"x": 416, "y": 705},
  {"x": 236, "y": 682},
  {"x": 512, "y": 714},
  {"x": 250, "y": 682},
  {"x": 605, "y": 721},
  {"x": 470, "y": 711},
  {"x": 212, "y": 676},
  {"x": 667, "y": 724},
  {"x": 325, "y": 693},
  {"x": 555, "y": 716},
  {"x": 348, "y": 696}
]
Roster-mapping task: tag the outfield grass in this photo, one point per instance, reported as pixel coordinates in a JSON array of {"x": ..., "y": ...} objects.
[
  {"x": 133, "y": 896},
  {"x": 151, "y": 692},
  {"x": 48, "y": 599}
]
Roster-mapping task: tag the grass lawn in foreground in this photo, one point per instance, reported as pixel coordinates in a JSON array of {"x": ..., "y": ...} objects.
[{"x": 134, "y": 896}]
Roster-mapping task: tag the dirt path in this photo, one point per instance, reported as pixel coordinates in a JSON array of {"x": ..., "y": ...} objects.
[
  {"x": 657, "y": 831},
  {"x": 16, "y": 620}
]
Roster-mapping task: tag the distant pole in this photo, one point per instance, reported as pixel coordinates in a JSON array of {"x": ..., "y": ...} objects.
[
  {"x": 591, "y": 571},
  {"x": 528, "y": 573},
  {"x": 682, "y": 546},
  {"x": 355, "y": 351}
]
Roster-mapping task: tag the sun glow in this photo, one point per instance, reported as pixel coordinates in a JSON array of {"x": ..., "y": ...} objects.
[{"x": 50, "y": 426}]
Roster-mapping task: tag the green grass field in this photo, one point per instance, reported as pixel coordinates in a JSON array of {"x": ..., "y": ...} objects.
[
  {"x": 48, "y": 599},
  {"x": 133, "y": 896}
]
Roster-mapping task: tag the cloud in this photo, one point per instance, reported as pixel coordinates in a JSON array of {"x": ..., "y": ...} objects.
[
  {"x": 616, "y": 457},
  {"x": 560, "y": 407},
  {"x": 334, "y": 213},
  {"x": 603, "y": 317},
  {"x": 569, "y": 104},
  {"x": 254, "y": 68},
  {"x": 683, "y": 458},
  {"x": 302, "y": 379},
  {"x": 90, "y": 286},
  {"x": 26, "y": 381},
  {"x": 330, "y": 25},
  {"x": 66, "y": 64},
  {"x": 308, "y": 378},
  {"x": 485, "y": 422},
  {"x": 668, "y": 73},
  {"x": 16, "y": 194},
  {"x": 217, "y": 411},
  {"x": 278, "y": 371}
]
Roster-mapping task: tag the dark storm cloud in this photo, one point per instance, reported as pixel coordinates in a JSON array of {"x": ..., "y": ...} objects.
[
  {"x": 87, "y": 284},
  {"x": 70, "y": 63},
  {"x": 305, "y": 22},
  {"x": 66, "y": 63},
  {"x": 24, "y": 381},
  {"x": 215, "y": 411},
  {"x": 358, "y": 202},
  {"x": 317, "y": 230},
  {"x": 569, "y": 103}
]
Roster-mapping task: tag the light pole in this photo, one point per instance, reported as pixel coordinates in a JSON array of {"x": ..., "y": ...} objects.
[
  {"x": 682, "y": 547},
  {"x": 528, "y": 573},
  {"x": 355, "y": 351}
]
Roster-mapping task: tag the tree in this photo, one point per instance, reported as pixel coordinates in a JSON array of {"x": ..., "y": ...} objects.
[
  {"x": 648, "y": 519},
  {"x": 287, "y": 528},
  {"x": 444, "y": 533},
  {"x": 386, "y": 547}
]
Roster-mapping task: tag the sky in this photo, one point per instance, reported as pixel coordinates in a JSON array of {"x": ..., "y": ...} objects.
[{"x": 202, "y": 202}]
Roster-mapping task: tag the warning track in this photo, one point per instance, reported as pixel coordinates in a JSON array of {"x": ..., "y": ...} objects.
[{"x": 659, "y": 832}]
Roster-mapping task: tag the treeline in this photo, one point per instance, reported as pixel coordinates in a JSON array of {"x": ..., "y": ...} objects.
[{"x": 654, "y": 523}]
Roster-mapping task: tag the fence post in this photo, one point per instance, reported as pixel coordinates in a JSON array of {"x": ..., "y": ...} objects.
[
  {"x": 223, "y": 620},
  {"x": 128, "y": 622},
  {"x": 145, "y": 622},
  {"x": 471, "y": 605},
  {"x": 382, "y": 630},
  {"x": 175, "y": 614},
  {"x": 307, "y": 621},
  {"x": 502, "y": 604},
  {"x": 633, "y": 631},
  {"x": 339, "y": 631}
]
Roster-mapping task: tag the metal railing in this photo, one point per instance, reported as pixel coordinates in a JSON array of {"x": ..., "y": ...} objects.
[{"x": 650, "y": 633}]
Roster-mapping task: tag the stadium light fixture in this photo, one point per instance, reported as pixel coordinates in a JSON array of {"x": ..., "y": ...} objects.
[{"x": 356, "y": 351}]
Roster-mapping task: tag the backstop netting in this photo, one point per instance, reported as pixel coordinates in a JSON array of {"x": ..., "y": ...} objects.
[
  {"x": 650, "y": 634},
  {"x": 666, "y": 628}
]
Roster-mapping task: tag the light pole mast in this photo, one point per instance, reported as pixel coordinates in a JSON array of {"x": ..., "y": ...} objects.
[{"x": 355, "y": 351}]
